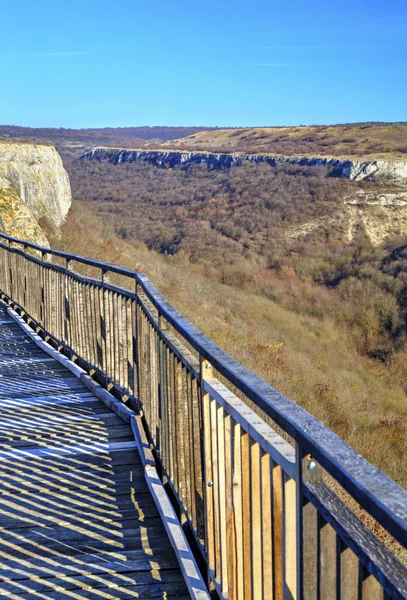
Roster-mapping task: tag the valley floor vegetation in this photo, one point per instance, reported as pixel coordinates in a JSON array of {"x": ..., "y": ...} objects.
[{"x": 321, "y": 320}]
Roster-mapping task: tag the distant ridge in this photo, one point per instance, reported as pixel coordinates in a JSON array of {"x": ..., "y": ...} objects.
[
  {"x": 352, "y": 139},
  {"x": 375, "y": 140},
  {"x": 122, "y": 136}
]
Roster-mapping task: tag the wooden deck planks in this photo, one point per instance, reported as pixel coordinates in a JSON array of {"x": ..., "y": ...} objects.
[{"x": 76, "y": 516}]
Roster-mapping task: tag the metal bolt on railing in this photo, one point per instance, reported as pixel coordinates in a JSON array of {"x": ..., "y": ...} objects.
[{"x": 312, "y": 465}]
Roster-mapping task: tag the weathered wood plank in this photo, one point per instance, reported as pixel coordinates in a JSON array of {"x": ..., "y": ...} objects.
[{"x": 107, "y": 586}]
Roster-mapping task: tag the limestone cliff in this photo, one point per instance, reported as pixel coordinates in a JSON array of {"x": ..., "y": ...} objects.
[
  {"x": 16, "y": 219},
  {"x": 353, "y": 169},
  {"x": 38, "y": 177}
]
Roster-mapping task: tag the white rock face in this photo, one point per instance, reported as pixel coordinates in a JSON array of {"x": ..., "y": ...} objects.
[
  {"x": 353, "y": 169},
  {"x": 373, "y": 199},
  {"x": 16, "y": 218},
  {"x": 390, "y": 171},
  {"x": 37, "y": 174}
]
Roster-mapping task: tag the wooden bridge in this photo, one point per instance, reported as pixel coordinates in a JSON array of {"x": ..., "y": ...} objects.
[{"x": 140, "y": 460}]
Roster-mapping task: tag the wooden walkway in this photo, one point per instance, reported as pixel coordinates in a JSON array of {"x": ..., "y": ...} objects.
[
  {"x": 76, "y": 516},
  {"x": 79, "y": 505}
]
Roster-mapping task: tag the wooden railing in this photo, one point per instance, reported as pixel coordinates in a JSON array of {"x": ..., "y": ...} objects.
[{"x": 260, "y": 501}]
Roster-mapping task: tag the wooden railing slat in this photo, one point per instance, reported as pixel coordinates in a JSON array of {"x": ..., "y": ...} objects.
[
  {"x": 206, "y": 373},
  {"x": 327, "y": 566},
  {"x": 308, "y": 544},
  {"x": 215, "y": 482},
  {"x": 229, "y": 517},
  {"x": 278, "y": 543},
  {"x": 238, "y": 515},
  {"x": 266, "y": 527},
  {"x": 349, "y": 574},
  {"x": 290, "y": 537},
  {"x": 220, "y": 430},
  {"x": 255, "y": 519},
  {"x": 246, "y": 515},
  {"x": 371, "y": 589}
]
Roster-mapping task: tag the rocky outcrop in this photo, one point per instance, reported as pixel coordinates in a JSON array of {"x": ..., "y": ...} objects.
[
  {"x": 383, "y": 198},
  {"x": 16, "y": 219},
  {"x": 380, "y": 222},
  {"x": 38, "y": 177},
  {"x": 355, "y": 170}
]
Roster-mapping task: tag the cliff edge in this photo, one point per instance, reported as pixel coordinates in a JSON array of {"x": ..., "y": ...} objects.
[
  {"x": 388, "y": 171},
  {"x": 37, "y": 176}
]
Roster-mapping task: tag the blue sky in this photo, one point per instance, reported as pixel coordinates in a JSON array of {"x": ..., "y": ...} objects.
[{"x": 215, "y": 62}]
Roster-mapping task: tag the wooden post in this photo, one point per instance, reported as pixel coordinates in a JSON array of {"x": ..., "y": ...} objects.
[
  {"x": 104, "y": 326},
  {"x": 307, "y": 527},
  {"x": 25, "y": 280},
  {"x": 43, "y": 311},
  {"x": 160, "y": 433},
  {"x": 67, "y": 305},
  {"x": 205, "y": 374},
  {"x": 136, "y": 342},
  {"x": 199, "y": 453}
]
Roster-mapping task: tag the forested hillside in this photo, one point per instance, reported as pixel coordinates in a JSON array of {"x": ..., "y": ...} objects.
[
  {"x": 282, "y": 231},
  {"x": 216, "y": 217}
]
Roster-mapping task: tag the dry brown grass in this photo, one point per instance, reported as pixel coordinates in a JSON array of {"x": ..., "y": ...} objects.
[
  {"x": 310, "y": 359},
  {"x": 378, "y": 140}
]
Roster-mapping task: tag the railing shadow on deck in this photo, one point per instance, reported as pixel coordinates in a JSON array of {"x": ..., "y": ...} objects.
[
  {"x": 265, "y": 521},
  {"x": 76, "y": 518},
  {"x": 99, "y": 551}
]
